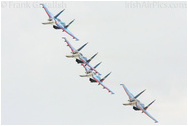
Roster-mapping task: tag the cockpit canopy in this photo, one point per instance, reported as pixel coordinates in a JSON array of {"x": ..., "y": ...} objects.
[
  {"x": 85, "y": 58},
  {"x": 142, "y": 105}
]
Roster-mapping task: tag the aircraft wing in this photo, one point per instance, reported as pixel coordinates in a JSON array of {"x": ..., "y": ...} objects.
[
  {"x": 98, "y": 80},
  {"x": 86, "y": 63},
  {"x": 68, "y": 44},
  {"x": 47, "y": 12},
  {"x": 138, "y": 105},
  {"x": 85, "y": 67},
  {"x": 65, "y": 29},
  {"x": 130, "y": 95}
]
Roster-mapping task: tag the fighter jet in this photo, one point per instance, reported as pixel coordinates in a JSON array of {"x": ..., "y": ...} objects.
[
  {"x": 57, "y": 23},
  {"x": 137, "y": 105},
  {"x": 94, "y": 77},
  {"x": 75, "y": 53}
]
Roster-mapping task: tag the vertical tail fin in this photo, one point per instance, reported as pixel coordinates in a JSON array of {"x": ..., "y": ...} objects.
[
  {"x": 149, "y": 105},
  {"x": 92, "y": 57},
  {"x": 59, "y": 13},
  {"x": 69, "y": 24},
  {"x": 82, "y": 47},
  {"x": 139, "y": 94},
  {"x": 105, "y": 76},
  {"x": 97, "y": 65}
]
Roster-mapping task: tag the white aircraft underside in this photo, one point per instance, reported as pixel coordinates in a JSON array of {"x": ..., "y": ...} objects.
[
  {"x": 87, "y": 75},
  {"x": 130, "y": 103},
  {"x": 76, "y": 55},
  {"x": 49, "y": 22}
]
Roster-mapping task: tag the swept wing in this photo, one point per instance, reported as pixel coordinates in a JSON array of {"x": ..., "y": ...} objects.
[
  {"x": 98, "y": 80},
  {"x": 138, "y": 105},
  {"x": 130, "y": 95},
  {"x": 47, "y": 11},
  {"x": 65, "y": 29},
  {"x": 68, "y": 44}
]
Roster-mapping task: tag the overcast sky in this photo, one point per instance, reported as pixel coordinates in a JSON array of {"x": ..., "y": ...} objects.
[{"x": 143, "y": 44}]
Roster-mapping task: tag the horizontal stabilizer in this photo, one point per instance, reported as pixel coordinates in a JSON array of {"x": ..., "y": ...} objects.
[
  {"x": 130, "y": 103},
  {"x": 86, "y": 75},
  {"x": 59, "y": 13},
  {"x": 50, "y": 22}
]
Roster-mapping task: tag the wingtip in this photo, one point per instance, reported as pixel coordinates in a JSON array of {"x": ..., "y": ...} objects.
[
  {"x": 42, "y": 4},
  {"x": 154, "y": 100}
]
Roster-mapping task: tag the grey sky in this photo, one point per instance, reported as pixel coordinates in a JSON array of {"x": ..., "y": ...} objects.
[{"x": 144, "y": 47}]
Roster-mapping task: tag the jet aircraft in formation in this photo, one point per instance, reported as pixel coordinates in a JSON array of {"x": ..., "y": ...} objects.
[
  {"x": 137, "y": 105},
  {"x": 57, "y": 23},
  {"x": 76, "y": 54},
  {"x": 91, "y": 72}
]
